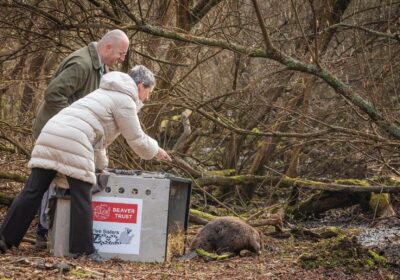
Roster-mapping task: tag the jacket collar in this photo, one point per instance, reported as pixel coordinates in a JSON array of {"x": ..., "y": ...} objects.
[
  {"x": 121, "y": 82},
  {"x": 94, "y": 55}
]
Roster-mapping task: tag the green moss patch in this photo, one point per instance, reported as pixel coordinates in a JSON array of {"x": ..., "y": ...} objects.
[
  {"x": 212, "y": 256},
  {"x": 352, "y": 182},
  {"x": 341, "y": 251}
]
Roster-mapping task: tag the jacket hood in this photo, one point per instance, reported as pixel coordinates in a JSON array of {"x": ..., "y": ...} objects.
[{"x": 121, "y": 82}]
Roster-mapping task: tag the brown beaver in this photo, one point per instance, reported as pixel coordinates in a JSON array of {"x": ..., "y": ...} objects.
[{"x": 227, "y": 234}]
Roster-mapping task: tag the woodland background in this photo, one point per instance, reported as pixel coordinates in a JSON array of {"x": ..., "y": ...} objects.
[{"x": 257, "y": 101}]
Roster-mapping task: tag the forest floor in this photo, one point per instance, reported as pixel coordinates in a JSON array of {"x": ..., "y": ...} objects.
[{"x": 293, "y": 257}]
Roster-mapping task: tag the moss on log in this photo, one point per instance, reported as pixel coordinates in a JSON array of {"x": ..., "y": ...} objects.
[
  {"x": 352, "y": 182},
  {"x": 13, "y": 177},
  {"x": 224, "y": 172},
  {"x": 357, "y": 186},
  {"x": 380, "y": 204},
  {"x": 326, "y": 200},
  {"x": 6, "y": 199},
  {"x": 203, "y": 215}
]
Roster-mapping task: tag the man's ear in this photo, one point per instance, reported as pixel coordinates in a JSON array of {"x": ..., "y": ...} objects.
[{"x": 109, "y": 47}]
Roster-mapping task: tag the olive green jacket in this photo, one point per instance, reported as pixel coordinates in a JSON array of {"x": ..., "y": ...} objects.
[{"x": 78, "y": 75}]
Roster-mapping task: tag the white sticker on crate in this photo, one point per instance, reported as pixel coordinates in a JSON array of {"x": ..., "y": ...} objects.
[{"x": 117, "y": 224}]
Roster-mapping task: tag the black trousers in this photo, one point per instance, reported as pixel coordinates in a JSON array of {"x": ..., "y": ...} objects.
[{"x": 26, "y": 205}]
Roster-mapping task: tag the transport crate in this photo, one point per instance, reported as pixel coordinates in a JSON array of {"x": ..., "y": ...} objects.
[{"x": 138, "y": 216}]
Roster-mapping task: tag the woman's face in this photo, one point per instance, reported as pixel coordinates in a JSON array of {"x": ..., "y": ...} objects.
[{"x": 144, "y": 92}]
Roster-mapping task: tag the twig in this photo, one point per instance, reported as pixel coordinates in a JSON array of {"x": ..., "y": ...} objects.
[
  {"x": 304, "y": 35},
  {"x": 395, "y": 36},
  {"x": 160, "y": 60},
  {"x": 15, "y": 143},
  {"x": 267, "y": 41}
]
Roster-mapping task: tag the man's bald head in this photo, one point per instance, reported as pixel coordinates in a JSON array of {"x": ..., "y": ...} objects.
[
  {"x": 114, "y": 36},
  {"x": 113, "y": 47}
]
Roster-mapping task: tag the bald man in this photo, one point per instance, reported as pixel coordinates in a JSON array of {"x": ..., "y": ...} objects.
[{"x": 78, "y": 75}]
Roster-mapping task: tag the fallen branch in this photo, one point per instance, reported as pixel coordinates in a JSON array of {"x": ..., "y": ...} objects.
[
  {"x": 13, "y": 177},
  {"x": 6, "y": 199},
  {"x": 352, "y": 189},
  {"x": 291, "y": 182},
  {"x": 197, "y": 220},
  {"x": 302, "y": 232},
  {"x": 29, "y": 240},
  {"x": 186, "y": 167},
  {"x": 16, "y": 144},
  {"x": 199, "y": 217},
  {"x": 202, "y": 218},
  {"x": 275, "y": 220}
]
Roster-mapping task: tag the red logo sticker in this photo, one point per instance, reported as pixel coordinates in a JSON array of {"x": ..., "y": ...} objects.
[{"x": 114, "y": 212}]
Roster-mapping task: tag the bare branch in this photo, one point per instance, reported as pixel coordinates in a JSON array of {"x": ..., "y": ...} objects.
[
  {"x": 394, "y": 36},
  {"x": 267, "y": 41},
  {"x": 201, "y": 8},
  {"x": 304, "y": 35}
]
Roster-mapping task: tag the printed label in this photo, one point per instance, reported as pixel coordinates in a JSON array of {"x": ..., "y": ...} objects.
[
  {"x": 117, "y": 224},
  {"x": 115, "y": 212}
]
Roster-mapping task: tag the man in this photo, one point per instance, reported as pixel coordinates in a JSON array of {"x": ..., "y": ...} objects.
[{"x": 78, "y": 75}]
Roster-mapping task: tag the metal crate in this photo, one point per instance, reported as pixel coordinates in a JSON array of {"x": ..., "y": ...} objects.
[{"x": 134, "y": 216}]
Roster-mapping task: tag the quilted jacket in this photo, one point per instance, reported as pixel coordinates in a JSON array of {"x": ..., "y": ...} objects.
[{"x": 74, "y": 141}]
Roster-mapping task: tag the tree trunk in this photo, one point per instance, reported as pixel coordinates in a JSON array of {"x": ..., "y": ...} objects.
[
  {"x": 324, "y": 201},
  {"x": 34, "y": 68}
]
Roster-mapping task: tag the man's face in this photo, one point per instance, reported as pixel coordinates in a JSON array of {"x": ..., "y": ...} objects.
[{"x": 115, "y": 53}]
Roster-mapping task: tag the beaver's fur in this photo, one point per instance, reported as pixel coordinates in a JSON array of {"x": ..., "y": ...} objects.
[{"x": 227, "y": 234}]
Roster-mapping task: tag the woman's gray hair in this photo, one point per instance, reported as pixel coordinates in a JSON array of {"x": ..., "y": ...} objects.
[{"x": 141, "y": 74}]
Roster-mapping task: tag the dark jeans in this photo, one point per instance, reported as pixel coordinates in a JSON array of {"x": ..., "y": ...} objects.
[{"x": 26, "y": 205}]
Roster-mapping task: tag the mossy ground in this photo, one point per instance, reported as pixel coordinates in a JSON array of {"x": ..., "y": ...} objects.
[{"x": 341, "y": 251}]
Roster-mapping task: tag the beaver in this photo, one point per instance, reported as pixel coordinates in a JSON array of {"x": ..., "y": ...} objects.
[{"x": 227, "y": 235}]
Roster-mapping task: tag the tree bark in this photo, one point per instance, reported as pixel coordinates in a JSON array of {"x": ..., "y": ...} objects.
[
  {"x": 290, "y": 182},
  {"x": 325, "y": 201}
]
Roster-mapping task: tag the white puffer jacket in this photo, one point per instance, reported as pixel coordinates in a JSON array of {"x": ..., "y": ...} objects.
[{"x": 73, "y": 142}]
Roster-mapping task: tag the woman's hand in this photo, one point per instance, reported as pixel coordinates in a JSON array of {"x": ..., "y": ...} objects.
[
  {"x": 163, "y": 155},
  {"x": 103, "y": 172}
]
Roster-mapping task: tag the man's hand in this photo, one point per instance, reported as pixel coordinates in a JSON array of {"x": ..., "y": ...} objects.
[{"x": 163, "y": 155}]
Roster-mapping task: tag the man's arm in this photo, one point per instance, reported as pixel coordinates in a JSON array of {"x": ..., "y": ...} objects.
[{"x": 67, "y": 83}]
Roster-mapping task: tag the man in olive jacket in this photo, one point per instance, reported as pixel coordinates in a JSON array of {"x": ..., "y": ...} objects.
[{"x": 78, "y": 75}]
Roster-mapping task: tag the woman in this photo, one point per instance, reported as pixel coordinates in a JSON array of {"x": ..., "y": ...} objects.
[{"x": 73, "y": 143}]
